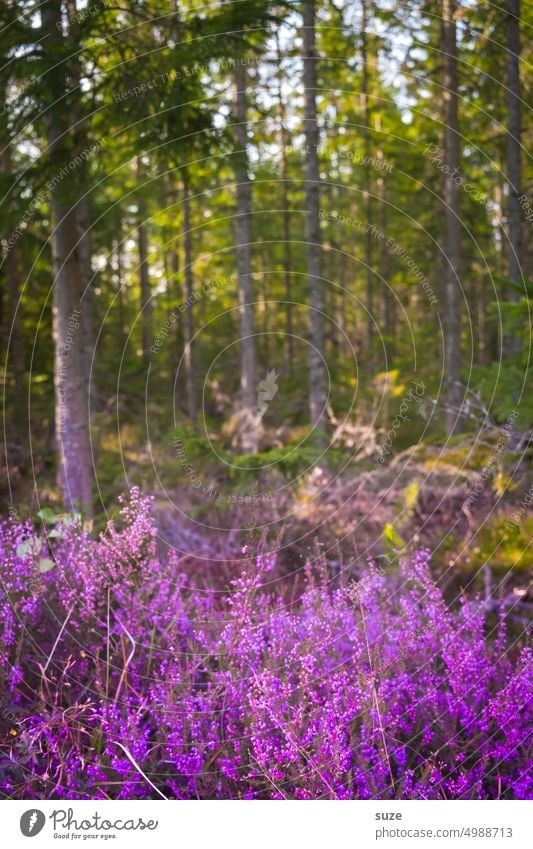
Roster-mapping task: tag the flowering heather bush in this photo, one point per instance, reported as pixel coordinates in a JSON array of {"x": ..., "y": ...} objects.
[{"x": 123, "y": 677}]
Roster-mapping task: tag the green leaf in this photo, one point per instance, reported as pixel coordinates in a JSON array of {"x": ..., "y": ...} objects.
[
  {"x": 48, "y": 515},
  {"x": 410, "y": 494},
  {"x": 391, "y": 536}
]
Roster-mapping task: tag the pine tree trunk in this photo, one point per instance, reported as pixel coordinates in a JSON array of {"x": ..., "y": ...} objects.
[
  {"x": 190, "y": 365},
  {"x": 389, "y": 305},
  {"x": 514, "y": 153},
  {"x": 286, "y": 215},
  {"x": 144, "y": 283},
  {"x": 72, "y": 420},
  {"x": 249, "y": 436},
  {"x": 388, "y": 302},
  {"x": 17, "y": 343},
  {"x": 71, "y": 410},
  {"x": 174, "y": 292},
  {"x": 14, "y": 344},
  {"x": 317, "y": 369},
  {"x": 144, "y": 269},
  {"x": 452, "y": 344},
  {"x": 365, "y": 102},
  {"x": 117, "y": 250},
  {"x": 88, "y": 298}
]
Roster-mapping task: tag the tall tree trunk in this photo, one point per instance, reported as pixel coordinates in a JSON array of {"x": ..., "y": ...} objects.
[
  {"x": 317, "y": 369},
  {"x": 190, "y": 366},
  {"x": 514, "y": 153},
  {"x": 331, "y": 199},
  {"x": 286, "y": 215},
  {"x": 88, "y": 298},
  {"x": 249, "y": 428},
  {"x": 388, "y": 303},
  {"x": 365, "y": 104},
  {"x": 452, "y": 344},
  {"x": 117, "y": 250},
  {"x": 342, "y": 302},
  {"x": 71, "y": 413},
  {"x": 174, "y": 293},
  {"x": 14, "y": 344},
  {"x": 144, "y": 269},
  {"x": 17, "y": 343},
  {"x": 144, "y": 282},
  {"x": 88, "y": 295}
]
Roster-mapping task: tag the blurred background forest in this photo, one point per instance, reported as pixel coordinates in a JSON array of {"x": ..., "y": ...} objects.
[{"x": 271, "y": 262}]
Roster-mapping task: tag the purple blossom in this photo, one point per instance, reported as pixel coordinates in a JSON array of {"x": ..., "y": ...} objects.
[{"x": 376, "y": 690}]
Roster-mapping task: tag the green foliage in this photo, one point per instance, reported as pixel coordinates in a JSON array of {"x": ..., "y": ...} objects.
[
  {"x": 291, "y": 460},
  {"x": 49, "y": 517},
  {"x": 503, "y": 543},
  {"x": 393, "y": 543},
  {"x": 153, "y": 89},
  {"x": 506, "y": 390}
]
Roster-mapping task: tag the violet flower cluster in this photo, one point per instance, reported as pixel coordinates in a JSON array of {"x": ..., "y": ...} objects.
[{"x": 124, "y": 676}]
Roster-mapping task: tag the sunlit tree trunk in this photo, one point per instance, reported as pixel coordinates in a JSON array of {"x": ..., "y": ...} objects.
[
  {"x": 190, "y": 365},
  {"x": 286, "y": 215},
  {"x": 452, "y": 346},
  {"x": 388, "y": 303},
  {"x": 367, "y": 194},
  {"x": 88, "y": 299},
  {"x": 71, "y": 409},
  {"x": 248, "y": 427},
  {"x": 389, "y": 306},
  {"x": 514, "y": 153},
  {"x": 317, "y": 369},
  {"x": 118, "y": 263},
  {"x": 144, "y": 268},
  {"x": 174, "y": 293}
]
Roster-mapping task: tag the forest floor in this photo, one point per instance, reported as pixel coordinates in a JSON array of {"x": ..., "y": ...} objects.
[
  {"x": 466, "y": 500},
  {"x": 378, "y": 514}
]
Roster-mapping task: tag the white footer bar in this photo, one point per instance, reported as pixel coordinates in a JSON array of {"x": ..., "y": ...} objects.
[{"x": 269, "y": 825}]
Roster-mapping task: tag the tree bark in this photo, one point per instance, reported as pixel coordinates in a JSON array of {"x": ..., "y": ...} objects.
[
  {"x": 72, "y": 412},
  {"x": 389, "y": 306},
  {"x": 14, "y": 344},
  {"x": 190, "y": 365},
  {"x": 117, "y": 250},
  {"x": 286, "y": 216},
  {"x": 514, "y": 153},
  {"x": 317, "y": 368},
  {"x": 388, "y": 303},
  {"x": 174, "y": 294},
  {"x": 249, "y": 435},
  {"x": 88, "y": 298},
  {"x": 452, "y": 344},
  {"x": 17, "y": 343},
  {"x": 144, "y": 270},
  {"x": 365, "y": 103},
  {"x": 144, "y": 282}
]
